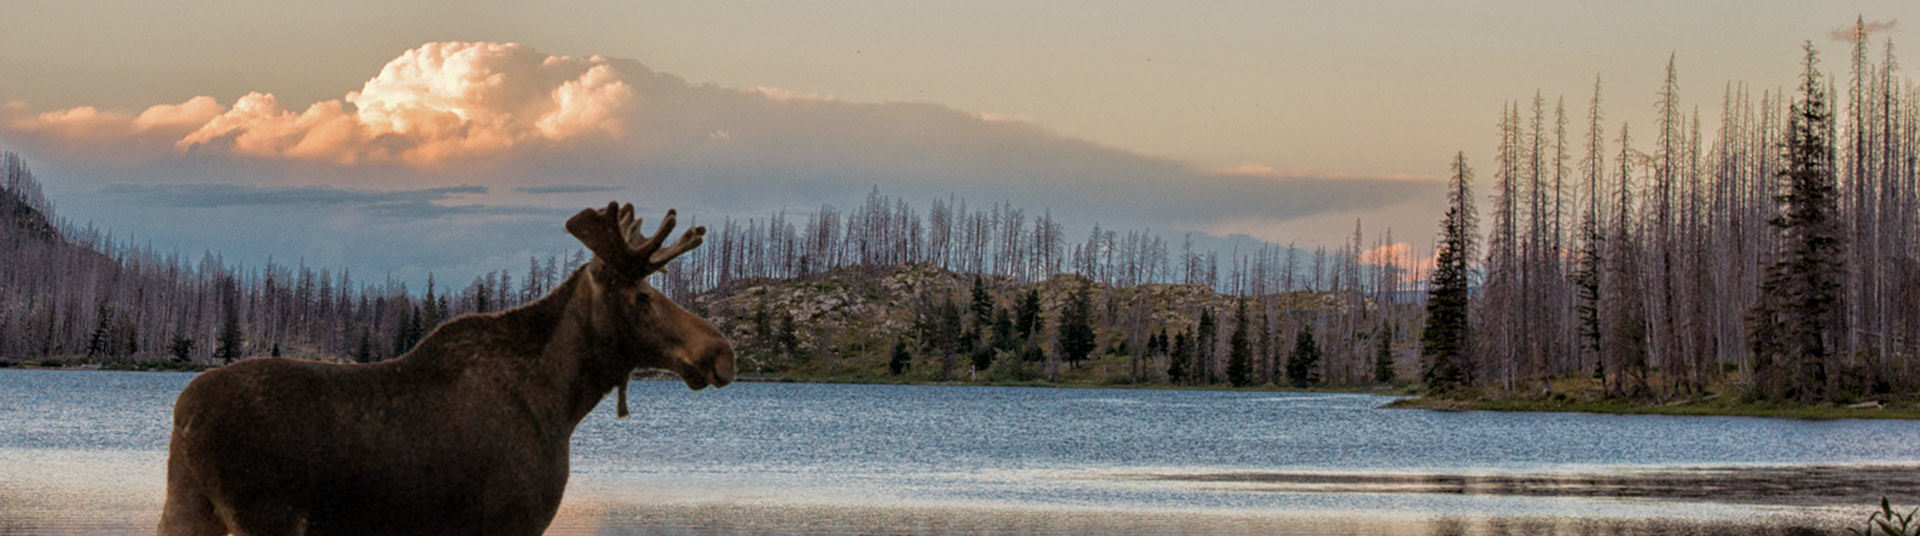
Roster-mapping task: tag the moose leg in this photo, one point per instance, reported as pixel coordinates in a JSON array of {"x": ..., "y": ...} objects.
[{"x": 189, "y": 513}]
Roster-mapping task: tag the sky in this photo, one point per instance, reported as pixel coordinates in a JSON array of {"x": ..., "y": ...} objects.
[{"x": 454, "y": 137}]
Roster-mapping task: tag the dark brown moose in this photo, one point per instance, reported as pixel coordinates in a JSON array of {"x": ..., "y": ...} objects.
[{"x": 466, "y": 434}]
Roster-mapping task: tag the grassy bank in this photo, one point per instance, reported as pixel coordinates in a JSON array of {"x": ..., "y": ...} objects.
[
  {"x": 1723, "y": 398},
  {"x": 1716, "y": 407}
]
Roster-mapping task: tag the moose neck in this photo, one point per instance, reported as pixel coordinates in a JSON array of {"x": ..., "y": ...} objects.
[{"x": 586, "y": 362}]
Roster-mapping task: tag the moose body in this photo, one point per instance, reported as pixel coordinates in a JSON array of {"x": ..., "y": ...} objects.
[{"x": 466, "y": 434}]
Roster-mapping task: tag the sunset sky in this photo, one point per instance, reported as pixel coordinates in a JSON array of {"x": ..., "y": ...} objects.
[{"x": 454, "y": 137}]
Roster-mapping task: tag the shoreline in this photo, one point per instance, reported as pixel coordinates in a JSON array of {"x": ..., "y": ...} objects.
[{"x": 1684, "y": 408}]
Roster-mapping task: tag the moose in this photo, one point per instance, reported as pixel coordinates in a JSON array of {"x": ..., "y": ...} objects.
[{"x": 465, "y": 434}]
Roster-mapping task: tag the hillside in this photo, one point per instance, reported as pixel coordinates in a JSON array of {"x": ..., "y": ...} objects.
[{"x": 844, "y": 324}]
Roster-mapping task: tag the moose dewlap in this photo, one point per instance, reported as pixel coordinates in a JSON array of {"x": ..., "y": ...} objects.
[{"x": 465, "y": 434}]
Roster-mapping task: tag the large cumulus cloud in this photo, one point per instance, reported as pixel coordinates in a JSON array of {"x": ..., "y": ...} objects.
[{"x": 439, "y": 103}]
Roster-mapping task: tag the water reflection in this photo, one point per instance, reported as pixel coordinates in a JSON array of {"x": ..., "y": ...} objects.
[{"x": 83, "y": 452}]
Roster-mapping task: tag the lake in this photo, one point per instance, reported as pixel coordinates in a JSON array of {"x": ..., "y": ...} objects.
[{"x": 82, "y": 452}]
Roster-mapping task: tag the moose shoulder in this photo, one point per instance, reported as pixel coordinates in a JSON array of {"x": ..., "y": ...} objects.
[{"x": 465, "y": 434}]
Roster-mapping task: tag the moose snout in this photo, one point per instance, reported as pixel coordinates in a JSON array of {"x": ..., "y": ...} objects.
[{"x": 722, "y": 370}]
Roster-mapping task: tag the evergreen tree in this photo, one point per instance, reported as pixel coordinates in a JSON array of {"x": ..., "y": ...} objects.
[
  {"x": 1003, "y": 329},
  {"x": 181, "y": 347},
  {"x": 433, "y": 309},
  {"x": 1240, "y": 350},
  {"x": 1303, "y": 367},
  {"x": 982, "y": 357},
  {"x": 1383, "y": 356},
  {"x": 403, "y": 332},
  {"x": 363, "y": 352},
  {"x": 1027, "y": 322},
  {"x": 982, "y": 305},
  {"x": 898, "y": 363},
  {"x": 230, "y": 337},
  {"x": 1076, "y": 326},
  {"x": 1203, "y": 348},
  {"x": 1444, "y": 342},
  {"x": 786, "y": 340},
  {"x": 1177, "y": 362},
  {"x": 1800, "y": 321},
  {"x": 100, "y": 339}
]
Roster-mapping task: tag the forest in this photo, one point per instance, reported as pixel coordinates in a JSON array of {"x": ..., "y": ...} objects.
[{"x": 1777, "y": 257}]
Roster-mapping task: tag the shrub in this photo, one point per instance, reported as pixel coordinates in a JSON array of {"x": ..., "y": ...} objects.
[{"x": 1885, "y": 519}]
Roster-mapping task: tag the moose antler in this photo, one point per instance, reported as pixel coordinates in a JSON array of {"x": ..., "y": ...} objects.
[{"x": 614, "y": 236}]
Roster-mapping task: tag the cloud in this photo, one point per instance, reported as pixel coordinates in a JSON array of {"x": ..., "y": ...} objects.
[
  {"x": 434, "y": 105},
  {"x": 568, "y": 189},
  {"x": 1848, "y": 33},
  {"x": 231, "y": 195},
  {"x": 780, "y": 95}
]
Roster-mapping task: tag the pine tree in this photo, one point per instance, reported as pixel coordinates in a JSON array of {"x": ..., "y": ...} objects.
[
  {"x": 363, "y": 352},
  {"x": 1027, "y": 322},
  {"x": 1240, "y": 351},
  {"x": 1178, "y": 362},
  {"x": 1076, "y": 326},
  {"x": 1203, "y": 345},
  {"x": 1383, "y": 356},
  {"x": 1799, "y": 324},
  {"x": 900, "y": 360},
  {"x": 1003, "y": 329},
  {"x": 982, "y": 304},
  {"x": 786, "y": 340},
  {"x": 99, "y": 340},
  {"x": 1444, "y": 343},
  {"x": 230, "y": 336},
  {"x": 1303, "y": 367},
  {"x": 181, "y": 347}
]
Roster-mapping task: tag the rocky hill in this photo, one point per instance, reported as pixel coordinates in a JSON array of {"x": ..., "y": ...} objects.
[{"x": 845, "y": 323}]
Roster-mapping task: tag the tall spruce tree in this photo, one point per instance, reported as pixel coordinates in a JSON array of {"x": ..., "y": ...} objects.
[
  {"x": 1027, "y": 319},
  {"x": 1179, "y": 361},
  {"x": 1444, "y": 343},
  {"x": 1203, "y": 344},
  {"x": 1240, "y": 349},
  {"x": 1799, "y": 322},
  {"x": 1303, "y": 367},
  {"x": 1076, "y": 326},
  {"x": 1383, "y": 355},
  {"x": 230, "y": 338}
]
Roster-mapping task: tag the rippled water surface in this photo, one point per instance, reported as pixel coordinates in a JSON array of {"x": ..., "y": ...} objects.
[{"x": 82, "y": 452}]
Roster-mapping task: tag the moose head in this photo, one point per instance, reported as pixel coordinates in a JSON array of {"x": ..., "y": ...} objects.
[{"x": 641, "y": 327}]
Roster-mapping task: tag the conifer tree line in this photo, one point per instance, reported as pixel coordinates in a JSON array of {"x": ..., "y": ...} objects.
[{"x": 1776, "y": 253}]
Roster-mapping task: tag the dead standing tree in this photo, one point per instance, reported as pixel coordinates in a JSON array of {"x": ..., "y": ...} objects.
[{"x": 466, "y": 434}]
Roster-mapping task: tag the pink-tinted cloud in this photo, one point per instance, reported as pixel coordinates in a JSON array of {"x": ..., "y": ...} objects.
[
  {"x": 1269, "y": 172},
  {"x": 781, "y": 95},
  {"x": 435, "y": 104},
  {"x": 1861, "y": 29}
]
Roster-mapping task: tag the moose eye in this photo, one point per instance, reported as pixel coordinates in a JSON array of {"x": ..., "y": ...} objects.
[{"x": 633, "y": 295}]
